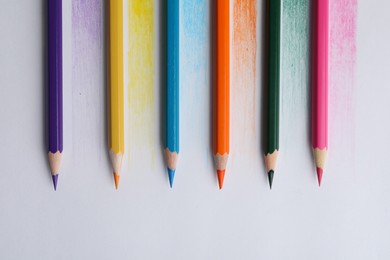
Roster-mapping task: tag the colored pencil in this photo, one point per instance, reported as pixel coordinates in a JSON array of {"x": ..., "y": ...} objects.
[
  {"x": 115, "y": 87},
  {"x": 55, "y": 87},
  {"x": 273, "y": 87},
  {"x": 320, "y": 43},
  {"x": 222, "y": 89},
  {"x": 172, "y": 94}
]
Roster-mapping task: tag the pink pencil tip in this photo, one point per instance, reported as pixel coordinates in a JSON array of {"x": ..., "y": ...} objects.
[{"x": 319, "y": 175}]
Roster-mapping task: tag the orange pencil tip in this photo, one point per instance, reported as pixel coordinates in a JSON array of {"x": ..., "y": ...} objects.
[
  {"x": 116, "y": 178},
  {"x": 221, "y": 177},
  {"x": 319, "y": 175}
]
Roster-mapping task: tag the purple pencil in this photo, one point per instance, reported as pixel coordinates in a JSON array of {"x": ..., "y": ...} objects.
[{"x": 55, "y": 87}]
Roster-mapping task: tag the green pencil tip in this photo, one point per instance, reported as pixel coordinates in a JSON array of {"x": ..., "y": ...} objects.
[{"x": 270, "y": 178}]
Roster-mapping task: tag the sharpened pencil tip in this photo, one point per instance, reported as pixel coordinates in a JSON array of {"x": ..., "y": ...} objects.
[
  {"x": 116, "y": 179},
  {"x": 270, "y": 178},
  {"x": 55, "y": 179},
  {"x": 171, "y": 175},
  {"x": 319, "y": 175},
  {"x": 221, "y": 177}
]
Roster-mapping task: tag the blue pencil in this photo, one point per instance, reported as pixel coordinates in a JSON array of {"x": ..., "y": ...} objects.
[{"x": 172, "y": 95}]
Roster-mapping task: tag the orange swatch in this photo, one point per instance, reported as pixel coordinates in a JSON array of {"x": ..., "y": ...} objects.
[{"x": 244, "y": 51}]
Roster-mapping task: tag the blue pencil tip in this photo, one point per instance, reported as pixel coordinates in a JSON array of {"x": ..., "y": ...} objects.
[
  {"x": 171, "y": 175},
  {"x": 55, "y": 179}
]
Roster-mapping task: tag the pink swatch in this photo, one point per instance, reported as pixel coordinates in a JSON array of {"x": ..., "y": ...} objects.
[{"x": 342, "y": 66}]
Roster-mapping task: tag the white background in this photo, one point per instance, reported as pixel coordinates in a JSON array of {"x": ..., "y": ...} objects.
[{"x": 347, "y": 218}]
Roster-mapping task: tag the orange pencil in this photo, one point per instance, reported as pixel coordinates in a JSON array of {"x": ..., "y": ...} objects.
[{"x": 221, "y": 94}]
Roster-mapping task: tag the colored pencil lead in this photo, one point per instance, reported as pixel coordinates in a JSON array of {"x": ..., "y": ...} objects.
[
  {"x": 319, "y": 175},
  {"x": 221, "y": 177},
  {"x": 171, "y": 175},
  {"x": 270, "y": 178},
  {"x": 55, "y": 179},
  {"x": 116, "y": 178}
]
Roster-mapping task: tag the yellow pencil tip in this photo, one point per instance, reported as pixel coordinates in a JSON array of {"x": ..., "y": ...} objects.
[{"x": 116, "y": 178}]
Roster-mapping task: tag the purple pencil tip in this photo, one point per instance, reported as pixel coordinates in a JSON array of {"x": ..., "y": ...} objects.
[{"x": 55, "y": 179}]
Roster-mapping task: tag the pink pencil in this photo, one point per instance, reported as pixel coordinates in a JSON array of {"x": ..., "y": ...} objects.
[{"x": 320, "y": 32}]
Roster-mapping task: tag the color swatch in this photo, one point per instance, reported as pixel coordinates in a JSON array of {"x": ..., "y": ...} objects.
[
  {"x": 342, "y": 68},
  {"x": 88, "y": 79},
  {"x": 141, "y": 92},
  {"x": 244, "y": 89}
]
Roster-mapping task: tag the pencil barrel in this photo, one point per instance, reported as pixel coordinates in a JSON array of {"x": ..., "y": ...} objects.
[
  {"x": 172, "y": 79},
  {"x": 55, "y": 75},
  {"x": 115, "y": 77},
  {"x": 222, "y": 78},
  {"x": 273, "y": 77},
  {"x": 320, "y": 45}
]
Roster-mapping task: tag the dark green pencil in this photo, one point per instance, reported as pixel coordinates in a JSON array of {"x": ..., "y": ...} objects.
[{"x": 274, "y": 8}]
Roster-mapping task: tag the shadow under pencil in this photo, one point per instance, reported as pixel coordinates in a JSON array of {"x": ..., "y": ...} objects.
[
  {"x": 161, "y": 39},
  {"x": 263, "y": 79},
  {"x": 45, "y": 82},
  {"x": 309, "y": 89},
  {"x": 212, "y": 81},
  {"x": 106, "y": 65},
  {"x": 104, "y": 86}
]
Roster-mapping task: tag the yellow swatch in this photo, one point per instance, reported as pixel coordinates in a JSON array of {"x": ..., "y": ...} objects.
[{"x": 141, "y": 73}]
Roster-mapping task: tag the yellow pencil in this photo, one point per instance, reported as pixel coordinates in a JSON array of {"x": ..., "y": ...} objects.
[{"x": 115, "y": 86}]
